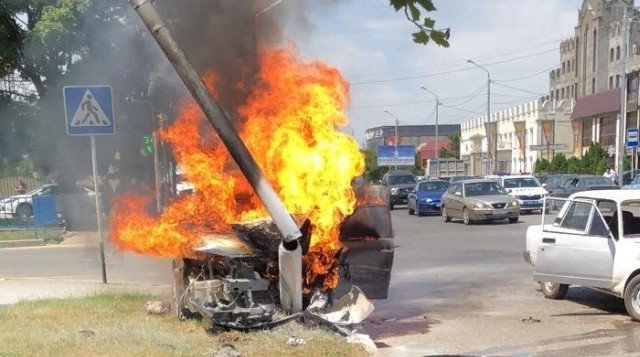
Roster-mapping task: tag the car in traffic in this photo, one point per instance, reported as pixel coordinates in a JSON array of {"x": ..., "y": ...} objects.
[
  {"x": 526, "y": 189},
  {"x": 22, "y": 205},
  {"x": 633, "y": 185},
  {"x": 581, "y": 183},
  {"x": 426, "y": 197},
  {"x": 594, "y": 241},
  {"x": 629, "y": 176},
  {"x": 396, "y": 186},
  {"x": 555, "y": 181},
  {"x": 479, "y": 200}
]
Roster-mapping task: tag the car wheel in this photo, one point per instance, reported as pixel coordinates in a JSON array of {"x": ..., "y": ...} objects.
[
  {"x": 632, "y": 298},
  {"x": 465, "y": 216},
  {"x": 410, "y": 210},
  {"x": 514, "y": 220},
  {"x": 554, "y": 291},
  {"x": 24, "y": 211},
  {"x": 445, "y": 215}
]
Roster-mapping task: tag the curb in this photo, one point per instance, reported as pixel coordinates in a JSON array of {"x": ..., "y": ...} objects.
[{"x": 21, "y": 243}]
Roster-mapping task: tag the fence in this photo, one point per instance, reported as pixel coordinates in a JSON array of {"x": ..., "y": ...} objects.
[
  {"x": 8, "y": 185},
  {"x": 39, "y": 221}
]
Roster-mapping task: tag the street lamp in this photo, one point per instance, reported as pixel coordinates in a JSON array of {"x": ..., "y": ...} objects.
[
  {"x": 495, "y": 150},
  {"x": 437, "y": 146},
  {"x": 395, "y": 141}
]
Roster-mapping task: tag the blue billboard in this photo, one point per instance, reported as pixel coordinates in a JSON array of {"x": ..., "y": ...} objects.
[{"x": 402, "y": 155}]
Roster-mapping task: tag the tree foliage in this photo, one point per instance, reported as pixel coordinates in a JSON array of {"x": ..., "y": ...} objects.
[
  {"x": 372, "y": 172},
  {"x": 593, "y": 162},
  {"x": 541, "y": 166},
  {"x": 453, "y": 148},
  {"x": 427, "y": 31}
]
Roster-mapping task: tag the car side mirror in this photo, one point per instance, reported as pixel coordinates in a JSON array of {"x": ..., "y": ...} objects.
[
  {"x": 544, "y": 185},
  {"x": 457, "y": 193}
]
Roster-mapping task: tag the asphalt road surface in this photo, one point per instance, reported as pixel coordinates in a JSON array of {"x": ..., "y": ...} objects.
[
  {"x": 454, "y": 289},
  {"x": 466, "y": 289}
]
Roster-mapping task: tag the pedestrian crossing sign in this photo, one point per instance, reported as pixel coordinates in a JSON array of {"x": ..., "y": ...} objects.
[{"x": 89, "y": 110}]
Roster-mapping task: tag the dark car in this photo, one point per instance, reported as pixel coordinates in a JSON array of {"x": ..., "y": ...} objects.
[
  {"x": 455, "y": 179},
  {"x": 582, "y": 183},
  {"x": 397, "y": 185},
  {"x": 629, "y": 176},
  {"x": 555, "y": 181},
  {"x": 426, "y": 197}
]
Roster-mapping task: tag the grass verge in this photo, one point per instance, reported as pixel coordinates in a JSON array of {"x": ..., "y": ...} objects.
[
  {"x": 49, "y": 235},
  {"x": 116, "y": 324}
]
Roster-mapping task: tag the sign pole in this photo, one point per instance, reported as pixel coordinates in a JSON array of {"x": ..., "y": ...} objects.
[{"x": 94, "y": 163}]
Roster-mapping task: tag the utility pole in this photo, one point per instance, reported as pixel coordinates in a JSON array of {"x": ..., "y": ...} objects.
[
  {"x": 494, "y": 163},
  {"x": 437, "y": 133},
  {"x": 395, "y": 141},
  {"x": 622, "y": 117}
]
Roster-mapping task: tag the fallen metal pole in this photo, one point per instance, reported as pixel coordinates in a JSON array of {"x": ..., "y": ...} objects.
[{"x": 239, "y": 152}]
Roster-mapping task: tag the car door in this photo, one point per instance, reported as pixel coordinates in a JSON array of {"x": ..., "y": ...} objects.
[
  {"x": 412, "y": 198},
  {"x": 456, "y": 199},
  {"x": 577, "y": 248}
]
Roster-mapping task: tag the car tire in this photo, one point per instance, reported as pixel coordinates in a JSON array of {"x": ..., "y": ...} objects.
[
  {"x": 514, "y": 220},
  {"x": 465, "y": 217},
  {"x": 445, "y": 215},
  {"x": 555, "y": 291},
  {"x": 24, "y": 211},
  {"x": 411, "y": 211},
  {"x": 632, "y": 298}
]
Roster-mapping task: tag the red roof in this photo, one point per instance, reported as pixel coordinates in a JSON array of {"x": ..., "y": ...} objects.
[{"x": 599, "y": 104}]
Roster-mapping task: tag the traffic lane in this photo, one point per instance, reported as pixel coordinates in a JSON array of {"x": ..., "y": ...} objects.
[
  {"x": 83, "y": 263},
  {"x": 467, "y": 289}
]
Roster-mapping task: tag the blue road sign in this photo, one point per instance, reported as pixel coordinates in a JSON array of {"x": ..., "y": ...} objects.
[
  {"x": 89, "y": 110},
  {"x": 632, "y": 137},
  {"x": 406, "y": 155}
]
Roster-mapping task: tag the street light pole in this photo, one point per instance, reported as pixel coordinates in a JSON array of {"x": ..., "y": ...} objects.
[
  {"x": 395, "y": 141},
  {"x": 495, "y": 144},
  {"x": 437, "y": 133},
  {"x": 622, "y": 117}
]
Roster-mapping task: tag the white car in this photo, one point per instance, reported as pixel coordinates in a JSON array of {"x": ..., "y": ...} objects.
[
  {"x": 526, "y": 189},
  {"x": 22, "y": 205},
  {"x": 593, "y": 242}
]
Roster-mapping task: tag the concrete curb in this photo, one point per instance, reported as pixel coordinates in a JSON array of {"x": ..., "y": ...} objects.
[{"x": 21, "y": 243}]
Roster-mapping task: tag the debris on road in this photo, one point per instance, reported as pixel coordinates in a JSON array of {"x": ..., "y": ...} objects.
[
  {"x": 227, "y": 351},
  {"x": 87, "y": 332},
  {"x": 530, "y": 320},
  {"x": 296, "y": 341},
  {"x": 157, "y": 307}
]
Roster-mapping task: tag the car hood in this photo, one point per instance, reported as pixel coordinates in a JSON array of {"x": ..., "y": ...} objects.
[
  {"x": 433, "y": 195},
  {"x": 491, "y": 199},
  {"x": 527, "y": 191}
]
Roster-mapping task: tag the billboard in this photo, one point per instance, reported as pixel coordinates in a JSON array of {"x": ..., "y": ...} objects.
[{"x": 406, "y": 155}]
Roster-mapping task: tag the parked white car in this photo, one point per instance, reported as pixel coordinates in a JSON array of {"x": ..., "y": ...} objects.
[
  {"x": 594, "y": 242},
  {"x": 526, "y": 189},
  {"x": 22, "y": 205}
]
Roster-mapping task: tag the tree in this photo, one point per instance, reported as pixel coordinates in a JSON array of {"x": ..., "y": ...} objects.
[
  {"x": 573, "y": 165},
  {"x": 453, "y": 148},
  {"x": 541, "y": 166},
  {"x": 372, "y": 172},
  {"x": 558, "y": 164},
  {"x": 427, "y": 31},
  {"x": 594, "y": 160}
]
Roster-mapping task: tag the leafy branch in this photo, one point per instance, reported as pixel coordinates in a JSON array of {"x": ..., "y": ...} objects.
[{"x": 413, "y": 10}]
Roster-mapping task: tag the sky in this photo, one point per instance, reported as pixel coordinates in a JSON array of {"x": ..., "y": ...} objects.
[{"x": 371, "y": 44}]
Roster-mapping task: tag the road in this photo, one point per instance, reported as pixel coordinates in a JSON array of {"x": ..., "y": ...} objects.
[
  {"x": 74, "y": 268},
  {"x": 454, "y": 289},
  {"x": 466, "y": 289}
]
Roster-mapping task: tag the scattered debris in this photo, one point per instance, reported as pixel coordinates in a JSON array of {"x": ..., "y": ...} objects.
[
  {"x": 157, "y": 307},
  {"x": 530, "y": 320},
  {"x": 295, "y": 341},
  {"x": 351, "y": 309},
  {"x": 227, "y": 351},
  {"x": 364, "y": 340},
  {"x": 87, "y": 332},
  {"x": 389, "y": 320}
]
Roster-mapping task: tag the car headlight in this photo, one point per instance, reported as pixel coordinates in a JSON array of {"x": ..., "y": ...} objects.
[
  {"x": 394, "y": 190},
  {"x": 482, "y": 205},
  {"x": 428, "y": 200},
  {"x": 514, "y": 203}
]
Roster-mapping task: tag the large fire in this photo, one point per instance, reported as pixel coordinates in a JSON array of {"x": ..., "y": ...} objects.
[{"x": 289, "y": 123}]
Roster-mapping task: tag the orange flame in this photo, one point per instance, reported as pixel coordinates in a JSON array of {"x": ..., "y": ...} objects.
[{"x": 289, "y": 124}]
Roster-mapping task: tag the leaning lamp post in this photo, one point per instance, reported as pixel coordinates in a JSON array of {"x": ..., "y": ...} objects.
[
  {"x": 437, "y": 133},
  {"x": 495, "y": 145}
]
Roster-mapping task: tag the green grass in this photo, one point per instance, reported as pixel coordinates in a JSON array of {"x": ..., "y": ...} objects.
[
  {"x": 116, "y": 324},
  {"x": 49, "y": 235}
]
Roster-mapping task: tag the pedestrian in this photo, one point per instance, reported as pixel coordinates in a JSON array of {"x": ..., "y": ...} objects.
[
  {"x": 611, "y": 174},
  {"x": 22, "y": 188}
]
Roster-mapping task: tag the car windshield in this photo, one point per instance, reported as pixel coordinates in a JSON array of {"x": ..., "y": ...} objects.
[
  {"x": 461, "y": 178},
  {"x": 401, "y": 179},
  {"x": 597, "y": 181},
  {"x": 36, "y": 191},
  {"x": 483, "y": 189},
  {"x": 428, "y": 186},
  {"x": 520, "y": 182}
]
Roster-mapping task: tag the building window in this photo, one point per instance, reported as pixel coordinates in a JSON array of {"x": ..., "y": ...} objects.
[
  {"x": 564, "y": 67},
  {"x": 562, "y": 93},
  {"x": 618, "y": 53},
  {"x": 610, "y": 82},
  {"x": 632, "y": 89},
  {"x": 611, "y": 55},
  {"x": 595, "y": 47},
  {"x": 593, "y": 86},
  {"x": 608, "y": 131},
  {"x": 618, "y": 81},
  {"x": 587, "y": 133}
]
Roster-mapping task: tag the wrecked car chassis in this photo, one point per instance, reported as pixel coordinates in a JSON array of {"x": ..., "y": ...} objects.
[{"x": 233, "y": 283}]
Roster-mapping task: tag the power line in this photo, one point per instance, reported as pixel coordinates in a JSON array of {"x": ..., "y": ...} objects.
[
  {"x": 525, "y": 77},
  {"x": 450, "y": 71},
  {"x": 519, "y": 89},
  {"x": 462, "y": 110},
  {"x": 392, "y": 104}
]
